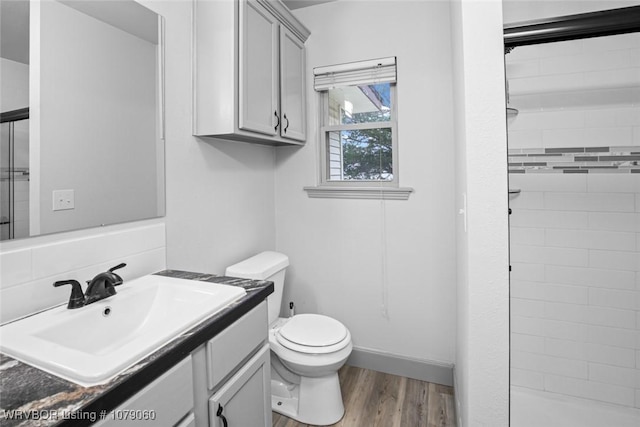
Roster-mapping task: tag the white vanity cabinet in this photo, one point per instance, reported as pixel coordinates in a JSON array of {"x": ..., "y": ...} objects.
[
  {"x": 229, "y": 373},
  {"x": 249, "y": 72},
  {"x": 232, "y": 377}
]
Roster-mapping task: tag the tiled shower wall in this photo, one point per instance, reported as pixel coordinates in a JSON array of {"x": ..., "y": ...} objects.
[
  {"x": 579, "y": 97},
  {"x": 575, "y": 285},
  {"x": 575, "y": 228}
]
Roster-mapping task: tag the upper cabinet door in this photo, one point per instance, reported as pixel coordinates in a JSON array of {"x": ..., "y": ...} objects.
[
  {"x": 292, "y": 86},
  {"x": 258, "y": 91}
]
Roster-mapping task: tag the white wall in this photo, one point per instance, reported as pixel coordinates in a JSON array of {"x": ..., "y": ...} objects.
[
  {"x": 220, "y": 194},
  {"x": 482, "y": 357},
  {"x": 97, "y": 118},
  {"x": 336, "y": 247},
  {"x": 461, "y": 374}
]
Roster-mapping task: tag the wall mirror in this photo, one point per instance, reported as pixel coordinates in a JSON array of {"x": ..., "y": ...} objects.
[{"x": 81, "y": 105}]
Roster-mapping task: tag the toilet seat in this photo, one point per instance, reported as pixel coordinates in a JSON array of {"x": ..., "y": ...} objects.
[{"x": 313, "y": 334}]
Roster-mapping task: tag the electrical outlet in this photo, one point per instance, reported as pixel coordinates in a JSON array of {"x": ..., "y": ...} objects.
[{"x": 63, "y": 200}]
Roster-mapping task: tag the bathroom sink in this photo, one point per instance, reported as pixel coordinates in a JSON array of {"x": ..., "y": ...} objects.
[{"x": 93, "y": 344}]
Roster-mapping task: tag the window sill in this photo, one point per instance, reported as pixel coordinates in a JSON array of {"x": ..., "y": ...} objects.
[{"x": 376, "y": 193}]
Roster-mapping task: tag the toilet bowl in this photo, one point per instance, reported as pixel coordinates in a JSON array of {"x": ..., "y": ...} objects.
[{"x": 307, "y": 350}]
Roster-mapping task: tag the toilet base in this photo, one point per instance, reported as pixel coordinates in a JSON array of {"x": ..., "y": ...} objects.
[{"x": 315, "y": 401}]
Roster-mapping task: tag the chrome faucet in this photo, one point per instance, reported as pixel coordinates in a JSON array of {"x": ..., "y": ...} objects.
[{"x": 100, "y": 287}]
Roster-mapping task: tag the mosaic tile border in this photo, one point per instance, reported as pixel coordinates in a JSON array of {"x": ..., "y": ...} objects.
[{"x": 575, "y": 160}]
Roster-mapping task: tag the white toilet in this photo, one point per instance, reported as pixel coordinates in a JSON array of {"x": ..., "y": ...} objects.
[{"x": 306, "y": 350}]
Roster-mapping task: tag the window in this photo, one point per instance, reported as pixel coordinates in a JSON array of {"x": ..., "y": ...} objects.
[
  {"x": 358, "y": 130},
  {"x": 359, "y": 133}
]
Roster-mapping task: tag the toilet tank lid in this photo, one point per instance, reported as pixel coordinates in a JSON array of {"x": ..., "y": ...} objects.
[{"x": 260, "y": 266}]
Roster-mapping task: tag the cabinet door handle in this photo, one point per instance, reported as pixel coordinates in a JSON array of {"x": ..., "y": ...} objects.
[
  {"x": 275, "y": 113},
  {"x": 219, "y": 414},
  {"x": 287, "y": 126}
]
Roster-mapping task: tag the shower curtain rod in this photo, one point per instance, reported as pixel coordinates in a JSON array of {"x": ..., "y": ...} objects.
[{"x": 570, "y": 27}]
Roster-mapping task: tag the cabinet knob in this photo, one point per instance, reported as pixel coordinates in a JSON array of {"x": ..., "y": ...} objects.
[
  {"x": 275, "y": 113},
  {"x": 287, "y": 126}
]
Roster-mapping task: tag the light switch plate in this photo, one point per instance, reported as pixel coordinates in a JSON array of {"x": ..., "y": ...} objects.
[{"x": 63, "y": 200}]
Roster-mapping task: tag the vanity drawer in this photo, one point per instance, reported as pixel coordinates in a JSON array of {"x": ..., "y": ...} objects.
[
  {"x": 233, "y": 345},
  {"x": 167, "y": 400}
]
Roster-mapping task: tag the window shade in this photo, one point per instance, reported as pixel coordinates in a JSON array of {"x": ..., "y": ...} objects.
[{"x": 355, "y": 73}]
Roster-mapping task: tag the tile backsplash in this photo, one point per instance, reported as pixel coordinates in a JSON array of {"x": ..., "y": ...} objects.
[
  {"x": 575, "y": 160},
  {"x": 27, "y": 272}
]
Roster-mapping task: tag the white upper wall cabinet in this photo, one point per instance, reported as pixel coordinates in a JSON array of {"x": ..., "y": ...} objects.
[{"x": 249, "y": 72}]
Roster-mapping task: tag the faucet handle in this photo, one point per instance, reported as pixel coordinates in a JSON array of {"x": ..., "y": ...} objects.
[
  {"x": 122, "y": 264},
  {"x": 77, "y": 296},
  {"x": 112, "y": 269}
]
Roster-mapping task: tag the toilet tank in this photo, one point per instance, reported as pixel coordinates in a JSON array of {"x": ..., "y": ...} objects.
[{"x": 264, "y": 266}]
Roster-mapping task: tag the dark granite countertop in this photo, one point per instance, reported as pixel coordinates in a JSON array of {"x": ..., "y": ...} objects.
[{"x": 31, "y": 397}]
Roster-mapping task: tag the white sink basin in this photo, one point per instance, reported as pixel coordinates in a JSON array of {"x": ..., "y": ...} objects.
[{"x": 92, "y": 344}]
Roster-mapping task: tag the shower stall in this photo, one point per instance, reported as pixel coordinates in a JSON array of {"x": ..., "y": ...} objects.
[
  {"x": 14, "y": 174},
  {"x": 574, "y": 178}
]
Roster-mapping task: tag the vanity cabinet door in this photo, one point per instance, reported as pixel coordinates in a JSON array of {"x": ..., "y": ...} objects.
[
  {"x": 258, "y": 91},
  {"x": 245, "y": 400},
  {"x": 292, "y": 86}
]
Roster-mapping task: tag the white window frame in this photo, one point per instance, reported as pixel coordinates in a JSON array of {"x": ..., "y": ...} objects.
[
  {"x": 325, "y": 130},
  {"x": 358, "y": 189}
]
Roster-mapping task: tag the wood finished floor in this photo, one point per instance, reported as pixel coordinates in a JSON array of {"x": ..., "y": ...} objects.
[{"x": 375, "y": 399}]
